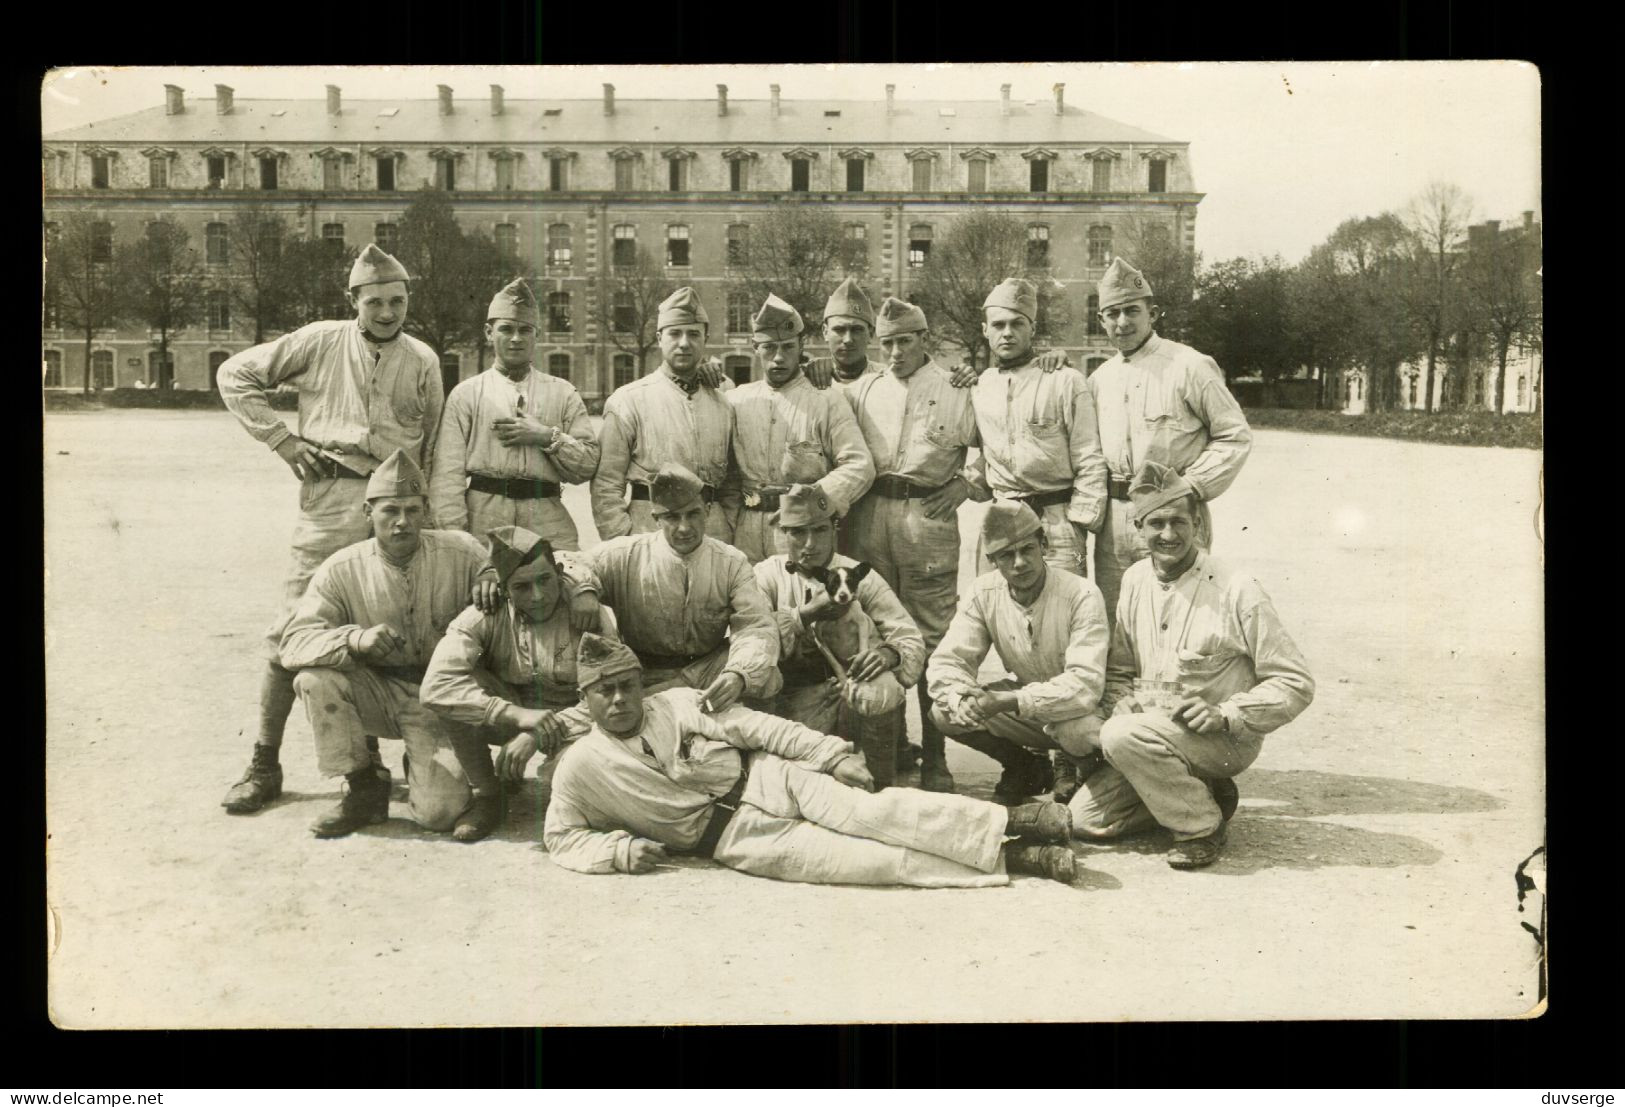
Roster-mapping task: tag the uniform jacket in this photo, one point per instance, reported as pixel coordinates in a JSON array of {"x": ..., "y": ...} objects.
[
  {"x": 1039, "y": 435},
  {"x": 799, "y": 434},
  {"x": 919, "y": 428}
]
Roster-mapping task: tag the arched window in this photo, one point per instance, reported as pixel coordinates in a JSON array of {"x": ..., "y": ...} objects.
[
  {"x": 738, "y": 244},
  {"x": 559, "y": 251},
  {"x": 626, "y": 245},
  {"x": 624, "y": 369},
  {"x": 101, "y": 369},
  {"x": 1037, "y": 246},
  {"x": 738, "y": 312},
  {"x": 1100, "y": 245},
  {"x": 558, "y": 365},
  {"x": 558, "y": 312},
  {"x": 919, "y": 244},
  {"x": 677, "y": 242},
  {"x": 217, "y": 244}
]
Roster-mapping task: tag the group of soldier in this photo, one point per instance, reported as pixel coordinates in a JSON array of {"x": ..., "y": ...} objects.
[{"x": 725, "y": 673}]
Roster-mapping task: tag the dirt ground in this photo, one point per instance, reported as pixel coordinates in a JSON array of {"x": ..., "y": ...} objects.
[{"x": 1370, "y": 871}]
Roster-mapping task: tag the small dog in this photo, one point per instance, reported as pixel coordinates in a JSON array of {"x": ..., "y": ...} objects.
[
  {"x": 847, "y": 635},
  {"x": 842, "y": 583}
]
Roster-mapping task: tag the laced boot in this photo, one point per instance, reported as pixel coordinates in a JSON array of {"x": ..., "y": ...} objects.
[
  {"x": 365, "y": 801},
  {"x": 1226, "y": 795},
  {"x": 1040, "y": 822},
  {"x": 482, "y": 817},
  {"x": 1197, "y": 853},
  {"x": 1025, "y": 774},
  {"x": 261, "y": 784},
  {"x": 1055, "y": 862}
]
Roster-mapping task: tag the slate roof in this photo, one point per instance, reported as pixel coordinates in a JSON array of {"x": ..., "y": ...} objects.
[{"x": 561, "y": 122}]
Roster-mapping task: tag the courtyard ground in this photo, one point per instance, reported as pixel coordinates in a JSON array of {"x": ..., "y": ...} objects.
[{"x": 1370, "y": 872}]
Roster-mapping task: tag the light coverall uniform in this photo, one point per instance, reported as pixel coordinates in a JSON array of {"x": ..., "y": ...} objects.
[
  {"x": 348, "y": 697},
  {"x": 1213, "y": 633},
  {"x": 796, "y": 434},
  {"x": 359, "y": 402},
  {"x": 689, "y": 618},
  {"x": 812, "y": 694},
  {"x": 468, "y": 445},
  {"x": 1166, "y": 403},
  {"x": 794, "y": 821},
  {"x": 649, "y": 422},
  {"x": 1039, "y": 439},
  {"x": 1054, "y": 649}
]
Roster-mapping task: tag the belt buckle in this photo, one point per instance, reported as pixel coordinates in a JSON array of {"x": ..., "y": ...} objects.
[{"x": 753, "y": 499}]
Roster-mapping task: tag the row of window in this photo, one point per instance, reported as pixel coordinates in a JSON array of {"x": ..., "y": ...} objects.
[
  {"x": 101, "y": 367},
  {"x": 922, "y": 173}
]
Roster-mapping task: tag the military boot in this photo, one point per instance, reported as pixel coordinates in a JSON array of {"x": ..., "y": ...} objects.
[
  {"x": 934, "y": 774},
  {"x": 1055, "y": 862},
  {"x": 261, "y": 784},
  {"x": 365, "y": 801},
  {"x": 1197, "y": 853},
  {"x": 1226, "y": 795},
  {"x": 1040, "y": 822},
  {"x": 482, "y": 817},
  {"x": 1025, "y": 774}
]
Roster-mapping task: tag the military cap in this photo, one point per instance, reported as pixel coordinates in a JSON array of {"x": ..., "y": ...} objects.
[
  {"x": 1121, "y": 284},
  {"x": 1014, "y": 294},
  {"x": 516, "y": 301},
  {"x": 898, "y": 317},
  {"x": 399, "y": 475},
  {"x": 803, "y": 505},
  {"x": 676, "y": 488},
  {"x": 775, "y": 321},
  {"x": 850, "y": 301},
  {"x": 1006, "y": 523},
  {"x": 373, "y": 266},
  {"x": 681, "y": 309},
  {"x": 598, "y": 657},
  {"x": 1156, "y": 485},
  {"x": 512, "y": 548}
]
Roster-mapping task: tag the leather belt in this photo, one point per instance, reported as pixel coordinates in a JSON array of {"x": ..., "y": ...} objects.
[
  {"x": 515, "y": 488},
  {"x": 761, "y": 501},
  {"x": 399, "y": 672},
  {"x": 640, "y": 491},
  {"x": 1117, "y": 487},
  {"x": 899, "y": 488},
  {"x": 723, "y": 809},
  {"x": 333, "y": 470},
  {"x": 669, "y": 660},
  {"x": 1038, "y": 501}
]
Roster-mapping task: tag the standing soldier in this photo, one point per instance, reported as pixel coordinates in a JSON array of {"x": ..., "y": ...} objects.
[
  {"x": 849, "y": 320},
  {"x": 788, "y": 432},
  {"x": 365, "y": 390},
  {"x": 671, "y": 415},
  {"x": 918, "y": 427},
  {"x": 1160, "y": 401},
  {"x": 1039, "y": 440},
  {"x": 511, "y": 435}
]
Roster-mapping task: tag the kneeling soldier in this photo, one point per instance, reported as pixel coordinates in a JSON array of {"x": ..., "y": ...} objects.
[
  {"x": 846, "y": 662},
  {"x": 358, "y": 643},
  {"x": 510, "y": 677},
  {"x": 1049, "y": 628},
  {"x": 766, "y": 796}
]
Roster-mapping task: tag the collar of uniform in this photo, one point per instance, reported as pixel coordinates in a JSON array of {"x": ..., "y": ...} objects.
[
  {"x": 687, "y": 389},
  {"x": 529, "y": 369},
  {"x": 1149, "y": 346},
  {"x": 1022, "y": 364},
  {"x": 378, "y": 344},
  {"x": 790, "y": 384},
  {"x": 1192, "y": 571},
  {"x": 1049, "y": 580},
  {"x": 844, "y": 378},
  {"x": 659, "y": 537}
]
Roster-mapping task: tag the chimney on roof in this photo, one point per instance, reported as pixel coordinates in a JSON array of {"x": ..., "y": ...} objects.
[
  {"x": 174, "y": 100},
  {"x": 1528, "y": 219},
  {"x": 445, "y": 99},
  {"x": 1492, "y": 227},
  {"x": 1004, "y": 99},
  {"x": 773, "y": 91},
  {"x": 722, "y": 99},
  {"x": 496, "y": 99},
  {"x": 1060, "y": 104},
  {"x": 333, "y": 99},
  {"x": 222, "y": 99},
  {"x": 609, "y": 99},
  {"x": 891, "y": 97}
]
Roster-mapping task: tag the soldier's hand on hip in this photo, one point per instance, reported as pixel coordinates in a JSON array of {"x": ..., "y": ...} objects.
[
  {"x": 584, "y": 611},
  {"x": 646, "y": 855},
  {"x": 486, "y": 594},
  {"x": 515, "y": 754},
  {"x": 944, "y": 502},
  {"x": 854, "y": 770},
  {"x": 379, "y": 642},
  {"x": 304, "y": 459}
]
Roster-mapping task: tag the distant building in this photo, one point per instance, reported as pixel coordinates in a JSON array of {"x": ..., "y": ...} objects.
[{"x": 575, "y": 185}]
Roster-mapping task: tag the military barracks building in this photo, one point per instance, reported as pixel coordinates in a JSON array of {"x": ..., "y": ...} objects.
[{"x": 573, "y": 187}]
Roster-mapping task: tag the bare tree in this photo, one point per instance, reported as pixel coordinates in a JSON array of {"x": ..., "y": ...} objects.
[
  {"x": 83, "y": 279},
  {"x": 1504, "y": 294},
  {"x": 972, "y": 255},
  {"x": 454, "y": 274},
  {"x": 626, "y": 305},
  {"x": 316, "y": 271},
  {"x": 1436, "y": 220},
  {"x": 259, "y": 289},
  {"x": 163, "y": 285},
  {"x": 794, "y": 253}
]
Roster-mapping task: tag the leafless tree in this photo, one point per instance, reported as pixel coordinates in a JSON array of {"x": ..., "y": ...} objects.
[
  {"x": 626, "y": 304},
  {"x": 1436, "y": 221},
  {"x": 163, "y": 285},
  {"x": 83, "y": 282}
]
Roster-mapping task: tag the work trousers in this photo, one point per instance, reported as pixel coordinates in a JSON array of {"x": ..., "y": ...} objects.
[
  {"x": 699, "y": 674},
  {"x": 473, "y": 741},
  {"x": 869, "y": 714},
  {"x": 1120, "y": 544},
  {"x": 347, "y": 705},
  {"x": 797, "y": 824},
  {"x": 1155, "y": 773},
  {"x": 546, "y": 517}
]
